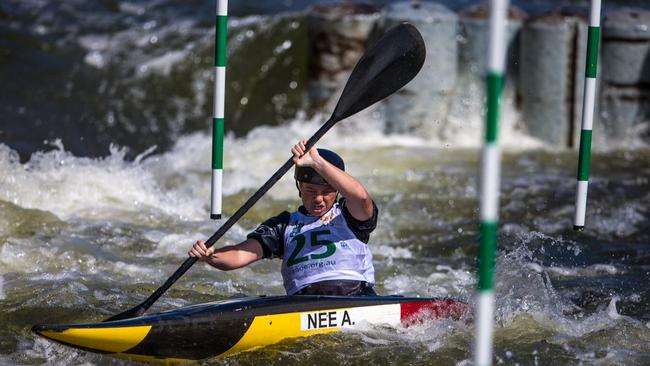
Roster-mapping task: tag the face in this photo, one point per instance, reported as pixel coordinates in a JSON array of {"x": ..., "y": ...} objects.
[{"x": 316, "y": 198}]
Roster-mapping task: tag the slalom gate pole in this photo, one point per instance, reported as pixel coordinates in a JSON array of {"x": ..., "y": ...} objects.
[
  {"x": 221, "y": 32},
  {"x": 588, "y": 107},
  {"x": 489, "y": 190}
]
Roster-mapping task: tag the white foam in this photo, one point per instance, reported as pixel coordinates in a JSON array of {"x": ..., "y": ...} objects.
[
  {"x": 443, "y": 281},
  {"x": 54, "y": 277},
  {"x": 621, "y": 220},
  {"x": 134, "y": 270},
  {"x": 429, "y": 334},
  {"x": 95, "y": 58},
  {"x": 391, "y": 252},
  {"x": 19, "y": 255},
  {"x": 96, "y": 45},
  {"x": 176, "y": 182},
  {"x": 229, "y": 286},
  {"x": 133, "y": 48},
  {"x": 559, "y": 271},
  {"x": 163, "y": 63},
  {"x": 593, "y": 270},
  {"x": 611, "y": 308},
  {"x": 175, "y": 244},
  {"x": 56, "y": 354},
  {"x": 68, "y": 186}
]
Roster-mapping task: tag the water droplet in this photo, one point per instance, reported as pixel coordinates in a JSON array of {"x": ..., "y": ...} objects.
[{"x": 150, "y": 24}]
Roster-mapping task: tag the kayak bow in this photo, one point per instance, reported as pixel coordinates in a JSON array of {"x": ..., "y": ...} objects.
[{"x": 227, "y": 327}]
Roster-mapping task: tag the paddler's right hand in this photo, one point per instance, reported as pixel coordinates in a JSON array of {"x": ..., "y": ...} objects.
[
  {"x": 302, "y": 158},
  {"x": 200, "y": 251}
]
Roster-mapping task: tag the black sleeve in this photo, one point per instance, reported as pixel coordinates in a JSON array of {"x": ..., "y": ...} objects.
[
  {"x": 361, "y": 229},
  {"x": 271, "y": 235}
]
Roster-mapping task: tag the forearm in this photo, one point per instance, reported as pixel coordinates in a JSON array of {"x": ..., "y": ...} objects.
[
  {"x": 358, "y": 198},
  {"x": 225, "y": 259},
  {"x": 348, "y": 187},
  {"x": 235, "y": 256}
]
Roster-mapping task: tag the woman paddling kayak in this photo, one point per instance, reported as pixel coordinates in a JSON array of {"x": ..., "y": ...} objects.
[{"x": 323, "y": 244}]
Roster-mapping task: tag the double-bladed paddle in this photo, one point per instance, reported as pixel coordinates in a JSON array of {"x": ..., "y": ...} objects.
[{"x": 388, "y": 65}]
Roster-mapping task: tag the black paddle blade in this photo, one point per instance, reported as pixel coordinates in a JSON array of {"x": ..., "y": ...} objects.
[{"x": 385, "y": 67}]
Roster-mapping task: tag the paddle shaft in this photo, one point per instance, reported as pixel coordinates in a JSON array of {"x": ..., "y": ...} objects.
[{"x": 189, "y": 262}]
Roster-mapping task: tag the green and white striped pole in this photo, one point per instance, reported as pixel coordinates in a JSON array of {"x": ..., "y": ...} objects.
[
  {"x": 489, "y": 191},
  {"x": 221, "y": 33},
  {"x": 588, "y": 107}
]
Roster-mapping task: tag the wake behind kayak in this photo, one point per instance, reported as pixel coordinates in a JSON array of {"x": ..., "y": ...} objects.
[{"x": 227, "y": 327}]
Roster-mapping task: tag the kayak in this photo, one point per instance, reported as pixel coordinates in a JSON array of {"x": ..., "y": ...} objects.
[{"x": 223, "y": 328}]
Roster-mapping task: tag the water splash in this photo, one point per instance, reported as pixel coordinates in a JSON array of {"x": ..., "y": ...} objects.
[
  {"x": 443, "y": 281},
  {"x": 539, "y": 307},
  {"x": 70, "y": 186}
]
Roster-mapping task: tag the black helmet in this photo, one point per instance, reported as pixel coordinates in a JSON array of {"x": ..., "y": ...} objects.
[{"x": 309, "y": 175}]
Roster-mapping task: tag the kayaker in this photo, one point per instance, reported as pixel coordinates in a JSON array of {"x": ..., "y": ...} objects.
[{"x": 324, "y": 244}]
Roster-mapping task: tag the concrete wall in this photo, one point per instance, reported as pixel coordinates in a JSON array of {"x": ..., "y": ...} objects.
[{"x": 546, "y": 68}]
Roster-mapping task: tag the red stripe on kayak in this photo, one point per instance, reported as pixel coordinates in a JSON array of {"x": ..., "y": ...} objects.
[{"x": 417, "y": 312}]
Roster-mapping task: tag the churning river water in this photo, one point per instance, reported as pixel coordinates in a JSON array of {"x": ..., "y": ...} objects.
[
  {"x": 87, "y": 232},
  {"x": 82, "y": 239}
]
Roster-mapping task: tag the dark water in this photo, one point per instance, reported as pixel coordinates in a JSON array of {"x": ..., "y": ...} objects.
[{"x": 88, "y": 229}]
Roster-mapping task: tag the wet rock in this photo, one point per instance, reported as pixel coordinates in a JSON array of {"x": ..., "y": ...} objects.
[{"x": 338, "y": 34}]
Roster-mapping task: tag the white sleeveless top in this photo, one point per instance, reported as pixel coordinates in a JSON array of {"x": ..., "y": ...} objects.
[{"x": 323, "y": 248}]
